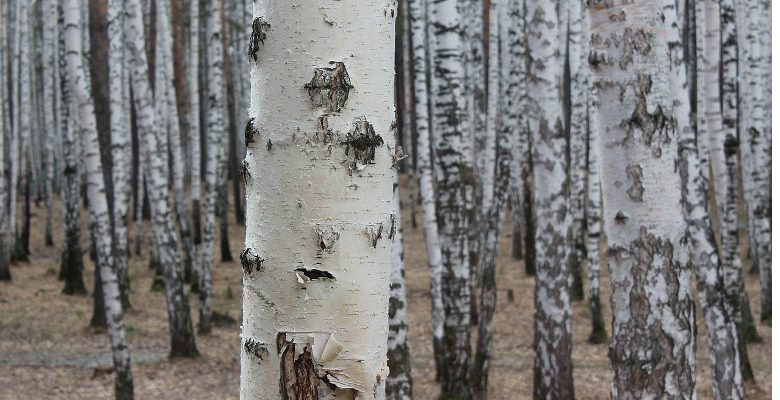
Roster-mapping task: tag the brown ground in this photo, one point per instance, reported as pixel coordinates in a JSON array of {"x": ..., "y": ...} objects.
[{"x": 47, "y": 350}]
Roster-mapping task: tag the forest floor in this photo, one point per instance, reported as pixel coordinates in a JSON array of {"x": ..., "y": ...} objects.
[{"x": 47, "y": 350}]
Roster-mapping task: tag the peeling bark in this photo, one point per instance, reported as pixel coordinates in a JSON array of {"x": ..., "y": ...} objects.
[
  {"x": 319, "y": 303},
  {"x": 652, "y": 349}
]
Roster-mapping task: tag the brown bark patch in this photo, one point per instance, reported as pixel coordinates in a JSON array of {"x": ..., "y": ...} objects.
[{"x": 330, "y": 87}]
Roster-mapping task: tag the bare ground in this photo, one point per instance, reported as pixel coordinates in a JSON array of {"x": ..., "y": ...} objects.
[{"x": 48, "y": 351}]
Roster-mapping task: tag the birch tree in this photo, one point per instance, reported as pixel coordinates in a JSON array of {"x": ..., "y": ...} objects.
[
  {"x": 418, "y": 17},
  {"x": 5, "y": 259},
  {"x": 453, "y": 145},
  {"x": 98, "y": 206},
  {"x": 507, "y": 39},
  {"x": 21, "y": 92},
  {"x": 704, "y": 257},
  {"x": 399, "y": 381},
  {"x": 635, "y": 123},
  {"x": 598, "y": 332},
  {"x": 215, "y": 131},
  {"x": 193, "y": 126},
  {"x": 552, "y": 317},
  {"x": 316, "y": 262},
  {"x": 48, "y": 63},
  {"x": 179, "y": 322}
]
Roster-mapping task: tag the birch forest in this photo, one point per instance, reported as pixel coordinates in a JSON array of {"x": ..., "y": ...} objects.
[{"x": 386, "y": 199}]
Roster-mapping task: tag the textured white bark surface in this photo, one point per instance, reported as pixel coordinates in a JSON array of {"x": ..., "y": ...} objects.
[
  {"x": 319, "y": 191},
  {"x": 652, "y": 349}
]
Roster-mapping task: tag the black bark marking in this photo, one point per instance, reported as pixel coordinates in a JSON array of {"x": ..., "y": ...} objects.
[
  {"x": 373, "y": 237},
  {"x": 314, "y": 274},
  {"x": 361, "y": 144},
  {"x": 259, "y": 29},
  {"x": 392, "y": 233},
  {"x": 637, "y": 190},
  {"x": 255, "y": 348},
  {"x": 655, "y": 126},
  {"x": 620, "y": 217},
  {"x": 330, "y": 87},
  {"x": 251, "y": 262},
  {"x": 244, "y": 171},
  {"x": 250, "y": 131}
]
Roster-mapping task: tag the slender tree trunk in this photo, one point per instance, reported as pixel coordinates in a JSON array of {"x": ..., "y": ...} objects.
[
  {"x": 598, "y": 332},
  {"x": 721, "y": 330},
  {"x": 22, "y": 118},
  {"x": 529, "y": 208},
  {"x": 319, "y": 331},
  {"x": 120, "y": 143},
  {"x": 418, "y": 17},
  {"x": 5, "y": 259},
  {"x": 98, "y": 210},
  {"x": 179, "y": 323},
  {"x": 552, "y": 319},
  {"x": 407, "y": 77},
  {"x": 578, "y": 136},
  {"x": 48, "y": 63},
  {"x": 193, "y": 126},
  {"x": 399, "y": 382},
  {"x": 636, "y": 115},
  {"x": 215, "y": 130},
  {"x": 507, "y": 38}
]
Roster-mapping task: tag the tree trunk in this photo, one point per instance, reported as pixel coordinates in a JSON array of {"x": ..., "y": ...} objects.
[
  {"x": 5, "y": 257},
  {"x": 179, "y": 323},
  {"x": 598, "y": 332},
  {"x": 552, "y": 319},
  {"x": 98, "y": 210},
  {"x": 635, "y": 117},
  {"x": 215, "y": 130},
  {"x": 507, "y": 37},
  {"x": 578, "y": 136},
  {"x": 399, "y": 382},
  {"x": 318, "y": 329},
  {"x": 48, "y": 63},
  {"x": 406, "y": 75},
  {"x": 418, "y": 15},
  {"x": 193, "y": 127},
  {"x": 120, "y": 143},
  {"x": 453, "y": 146},
  {"x": 721, "y": 330},
  {"x": 21, "y": 80}
]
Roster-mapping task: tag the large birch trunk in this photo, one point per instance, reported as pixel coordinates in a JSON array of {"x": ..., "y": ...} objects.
[
  {"x": 652, "y": 349},
  {"x": 163, "y": 231},
  {"x": 98, "y": 205},
  {"x": 316, "y": 262},
  {"x": 552, "y": 317},
  {"x": 418, "y": 16}
]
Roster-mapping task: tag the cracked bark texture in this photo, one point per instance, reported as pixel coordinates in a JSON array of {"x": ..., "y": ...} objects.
[
  {"x": 511, "y": 90},
  {"x": 399, "y": 382},
  {"x": 325, "y": 337},
  {"x": 418, "y": 15},
  {"x": 163, "y": 231},
  {"x": 652, "y": 349},
  {"x": 98, "y": 206},
  {"x": 455, "y": 183},
  {"x": 552, "y": 317},
  {"x": 700, "y": 238},
  {"x": 215, "y": 129}
]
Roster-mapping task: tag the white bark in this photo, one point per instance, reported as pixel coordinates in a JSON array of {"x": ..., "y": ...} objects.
[
  {"x": 546, "y": 43},
  {"x": 418, "y": 16},
  {"x": 635, "y": 123},
  {"x": 594, "y": 221},
  {"x": 399, "y": 382},
  {"x": 193, "y": 126},
  {"x": 5, "y": 271},
  {"x": 316, "y": 262},
  {"x": 98, "y": 205},
  {"x": 48, "y": 63},
  {"x": 120, "y": 141},
  {"x": 721, "y": 330},
  {"x": 22, "y": 115},
  {"x": 179, "y": 323},
  {"x": 453, "y": 144},
  {"x": 407, "y": 52},
  {"x": 215, "y": 131}
]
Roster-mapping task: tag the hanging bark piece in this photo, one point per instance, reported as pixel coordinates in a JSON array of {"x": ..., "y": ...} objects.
[
  {"x": 330, "y": 87},
  {"x": 361, "y": 145}
]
